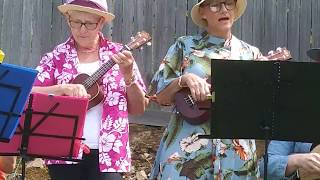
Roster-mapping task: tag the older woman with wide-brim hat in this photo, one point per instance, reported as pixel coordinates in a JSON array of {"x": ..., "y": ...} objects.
[
  {"x": 182, "y": 155},
  {"x": 105, "y": 150}
]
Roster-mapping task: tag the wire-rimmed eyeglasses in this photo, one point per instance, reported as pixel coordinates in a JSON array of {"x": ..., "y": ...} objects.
[{"x": 217, "y": 6}]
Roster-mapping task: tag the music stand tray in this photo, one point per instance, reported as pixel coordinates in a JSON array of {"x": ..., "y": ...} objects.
[{"x": 15, "y": 86}]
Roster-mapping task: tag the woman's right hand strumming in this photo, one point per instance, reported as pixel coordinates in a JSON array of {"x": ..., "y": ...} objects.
[{"x": 199, "y": 88}]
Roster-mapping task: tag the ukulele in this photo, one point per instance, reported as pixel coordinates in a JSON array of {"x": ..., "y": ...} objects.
[
  {"x": 199, "y": 112},
  {"x": 90, "y": 82}
]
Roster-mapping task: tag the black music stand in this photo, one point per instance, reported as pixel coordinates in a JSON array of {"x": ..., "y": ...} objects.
[
  {"x": 268, "y": 100},
  {"x": 50, "y": 128},
  {"x": 15, "y": 86}
]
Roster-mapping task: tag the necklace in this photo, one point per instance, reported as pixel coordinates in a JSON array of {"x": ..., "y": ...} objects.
[{"x": 86, "y": 51}]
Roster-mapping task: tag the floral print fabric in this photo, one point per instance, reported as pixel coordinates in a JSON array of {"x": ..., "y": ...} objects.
[
  {"x": 60, "y": 67},
  {"x": 182, "y": 155}
]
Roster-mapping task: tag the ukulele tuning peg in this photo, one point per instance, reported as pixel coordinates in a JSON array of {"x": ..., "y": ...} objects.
[
  {"x": 279, "y": 49},
  {"x": 149, "y": 43},
  {"x": 132, "y": 38},
  {"x": 270, "y": 53},
  {"x": 141, "y": 48}
]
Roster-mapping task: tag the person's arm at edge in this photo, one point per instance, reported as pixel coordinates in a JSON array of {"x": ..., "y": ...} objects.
[
  {"x": 7, "y": 163},
  {"x": 278, "y": 155}
]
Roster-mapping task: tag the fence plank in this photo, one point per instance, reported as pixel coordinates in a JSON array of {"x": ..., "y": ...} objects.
[
  {"x": 270, "y": 20},
  {"x": 247, "y": 24},
  {"x": 191, "y": 27},
  {"x": 293, "y": 24},
  {"x": 236, "y": 28},
  {"x": 148, "y": 51},
  {"x": 57, "y": 21},
  {"x": 315, "y": 23},
  {"x": 139, "y": 23},
  {"x": 36, "y": 50},
  {"x": 158, "y": 31},
  {"x": 107, "y": 29},
  {"x": 305, "y": 29},
  {"x": 117, "y": 24},
  {"x": 258, "y": 24},
  {"x": 281, "y": 23},
  {"x": 26, "y": 41},
  {"x": 15, "y": 46},
  {"x": 128, "y": 19},
  {"x": 7, "y": 31},
  {"x": 181, "y": 18},
  {"x": 46, "y": 21},
  {"x": 1, "y": 18}
]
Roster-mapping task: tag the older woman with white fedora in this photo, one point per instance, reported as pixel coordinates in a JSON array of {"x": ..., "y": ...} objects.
[
  {"x": 106, "y": 151},
  {"x": 182, "y": 155}
]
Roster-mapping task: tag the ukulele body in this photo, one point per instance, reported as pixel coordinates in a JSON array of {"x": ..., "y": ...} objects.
[
  {"x": 94, "y": 91},
  {"x": 193, "y": 112},
  {"x": 90, "y": 82}
]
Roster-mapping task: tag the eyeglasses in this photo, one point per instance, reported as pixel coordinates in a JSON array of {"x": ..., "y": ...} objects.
[
  {"x": 78, "y": 24},
  {"x": 217, "y": 6}
]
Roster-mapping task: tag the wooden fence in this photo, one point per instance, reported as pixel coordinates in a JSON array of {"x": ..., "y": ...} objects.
[{"x": 29, "y": 28}]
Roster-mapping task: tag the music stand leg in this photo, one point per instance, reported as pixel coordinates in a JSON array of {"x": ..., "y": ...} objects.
[
  {"x": 266, "y": 160},
  {"x": 26, "y": 135},
  {"x": 23, "y": 170},
  {"x": 265, "y": 157}
]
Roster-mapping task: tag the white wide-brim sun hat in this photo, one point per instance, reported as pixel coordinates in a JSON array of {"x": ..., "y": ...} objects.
[
  {"x": 197, "y": 19},
  {"x": 98, "y": 7}
]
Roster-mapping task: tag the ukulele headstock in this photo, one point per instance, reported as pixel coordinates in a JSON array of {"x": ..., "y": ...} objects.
[{"x": 140, "y": 39}]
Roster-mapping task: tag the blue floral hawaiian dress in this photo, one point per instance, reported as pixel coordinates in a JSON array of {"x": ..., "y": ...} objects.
[{"x": 182, "y": 155}]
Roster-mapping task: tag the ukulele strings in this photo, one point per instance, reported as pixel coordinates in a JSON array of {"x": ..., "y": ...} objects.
[{"x": 105, "y": 67}]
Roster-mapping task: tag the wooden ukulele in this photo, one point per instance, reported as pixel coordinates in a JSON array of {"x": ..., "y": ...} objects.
[
  {"x": 90, "y": 82},
  {"x": 199, "y": 112}
]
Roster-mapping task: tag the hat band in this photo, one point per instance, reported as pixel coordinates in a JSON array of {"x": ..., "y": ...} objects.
[{"x": 89, "y": 4}]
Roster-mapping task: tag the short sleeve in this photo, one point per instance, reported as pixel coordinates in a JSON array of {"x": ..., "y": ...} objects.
[
  {"x": 170, "y": 68},
  {"x": 46, "y": 70}
]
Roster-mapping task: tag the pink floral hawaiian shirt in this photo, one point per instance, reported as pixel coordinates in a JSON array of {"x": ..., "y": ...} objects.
[{"x": 60, "y": 67}]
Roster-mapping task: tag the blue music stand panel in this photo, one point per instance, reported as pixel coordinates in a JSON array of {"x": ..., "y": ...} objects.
[{"x": 15, "y": 86}]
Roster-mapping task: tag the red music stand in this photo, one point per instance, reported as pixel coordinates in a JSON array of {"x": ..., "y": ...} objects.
[{"x": 51, "y": 128}]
